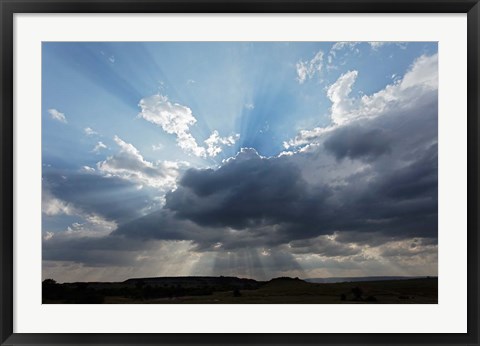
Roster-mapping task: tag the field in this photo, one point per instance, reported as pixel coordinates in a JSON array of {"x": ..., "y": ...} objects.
[{"x": 193, "y": 290}]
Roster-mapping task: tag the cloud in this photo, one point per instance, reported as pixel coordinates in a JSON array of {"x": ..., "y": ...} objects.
[
  {"x": 160, "y": 225},
  {"x": 343, "y": 47},
  {"x": 358, "y": 142},
  {"x": 177, "y": 119},
  {"x": 423, "y": 72},
  {"x": 376, "y": 45},
  {"x": 419, "y": 84},
  {"x": 53, "y": 206},
  {"x": 88, "y": 169},
  {"x": 56, "y": 115},
  {"x": 98, "y": 147},
  {"x": 87, "y": 193},
  {"x": 256, "y": 201},
  {"x": 92, "y": 251},
  {"x": 215, "y": 142},
  {"x": 324, "y": 246},
  {"x": 339, "y": 46},
  {"x": 308, "y": 69},
  {"x": 408, "y": 248},
  {"x": 306, "y": 137},
  {"x": 267, "y": 205},
  {"x": 338, "y": 93},
  {"x": 92, "y": 226},
  {"x": 89, "y": 131},
  {"x": 172, "y": 117},
  {"x": 48, "y": 235},
  {"x": 420, "y": 80},
  {"x": 116, "y": 259},
  {"x": 249, "y": 200},
  {"x": 247, "y": 191},
  {"x": 129, "y": 164},
  {"x": 373, "y": 175}
]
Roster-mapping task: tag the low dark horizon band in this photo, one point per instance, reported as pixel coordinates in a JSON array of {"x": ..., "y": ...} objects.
[{"x": 10, "y": 7}]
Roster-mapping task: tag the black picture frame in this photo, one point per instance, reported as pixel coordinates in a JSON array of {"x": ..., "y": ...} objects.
[{"x": 10, "y": 7}]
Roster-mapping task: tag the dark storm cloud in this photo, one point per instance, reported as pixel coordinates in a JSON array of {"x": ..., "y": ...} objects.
[
  {"x": 255, "y": 201},
  {"x": 396, "y": 194},
  {"x": 401, "y": 202},
  {"x": 399, "y": 135},
  {"x": 358, "y": 142},
  {"x": 245, "y": 192},
  {"x": 416, "y": 180},
  {"x": 163, "y": 225},
  {"x": 111, "y": 197},
  {"x": 98, "y": 251},
  {"x": 166, "y": 225}
]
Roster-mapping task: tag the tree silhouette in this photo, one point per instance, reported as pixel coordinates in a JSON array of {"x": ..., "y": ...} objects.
[{"x": 48, "y": 282}]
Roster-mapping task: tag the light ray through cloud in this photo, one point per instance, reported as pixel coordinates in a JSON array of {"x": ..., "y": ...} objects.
[{"x": 248, "y": 159}]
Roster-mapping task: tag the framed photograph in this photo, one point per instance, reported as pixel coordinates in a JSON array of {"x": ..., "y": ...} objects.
[{"x": 236, "y": 173}]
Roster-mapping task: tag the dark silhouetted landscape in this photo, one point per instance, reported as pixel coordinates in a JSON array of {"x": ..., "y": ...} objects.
[{"x": 233, "y": 290}]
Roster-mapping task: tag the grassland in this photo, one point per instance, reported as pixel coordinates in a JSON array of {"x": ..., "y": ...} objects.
[
  {"x": 415, "y": 291},
  {"x": 235, "y": 291}
]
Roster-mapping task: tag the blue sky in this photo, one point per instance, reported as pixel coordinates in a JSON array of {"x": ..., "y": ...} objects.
[
  {"x": 141, "y": 116},
  {"x": 99, "y": 85}
]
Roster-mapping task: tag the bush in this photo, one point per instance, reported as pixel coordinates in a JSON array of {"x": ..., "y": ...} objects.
[{"x": 357, "y": 293}]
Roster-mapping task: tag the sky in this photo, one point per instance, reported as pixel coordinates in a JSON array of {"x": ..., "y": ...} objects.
[{"x": 248, "y": 159}]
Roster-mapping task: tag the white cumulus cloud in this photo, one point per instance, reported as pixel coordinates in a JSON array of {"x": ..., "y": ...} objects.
[
  {"x": 338, "y": 93},
  {"x": 129, "y": 164},
  {"x": 214, "y": 143},
  {"x": 421, "y": 78},
  {"x": 177, "y": 119}
]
